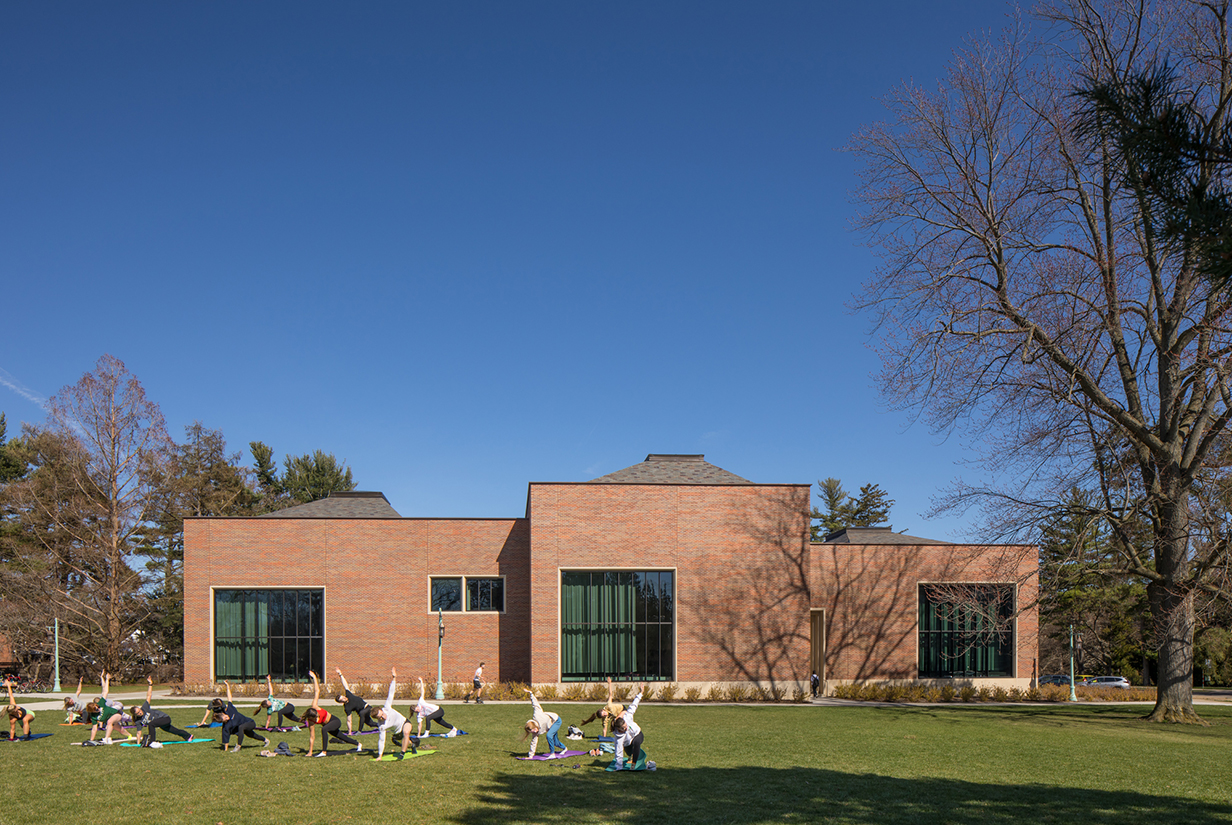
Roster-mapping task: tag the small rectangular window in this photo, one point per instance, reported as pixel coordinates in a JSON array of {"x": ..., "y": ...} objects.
[
  {"x": 447, "y": 594},
  {"x": 485, "y": 594}
]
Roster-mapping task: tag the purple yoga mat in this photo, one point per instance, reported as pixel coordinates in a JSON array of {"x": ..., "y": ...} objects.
[{"x": 543, "y": 757}]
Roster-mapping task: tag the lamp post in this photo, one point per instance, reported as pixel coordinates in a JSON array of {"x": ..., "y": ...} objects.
[
  {"x": 440, "y": 639},
  {"x": 1073, "y": 695},
  {"x": 57, "y": 687}
]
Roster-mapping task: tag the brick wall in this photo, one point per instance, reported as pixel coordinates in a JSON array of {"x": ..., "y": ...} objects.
[{"x": 375, "y": 575}]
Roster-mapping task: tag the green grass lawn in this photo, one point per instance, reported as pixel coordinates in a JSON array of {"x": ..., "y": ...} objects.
[{"x": 1087, "y": 764}]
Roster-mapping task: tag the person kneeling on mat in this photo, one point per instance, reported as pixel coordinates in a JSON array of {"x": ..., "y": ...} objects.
[
  {"x": 390, "y": 720},
  {"x": 155, "y": 720},
  {"x": 628, "y": 736},
  {"x": 235, "y": 722},
  {"x": 330, "y": 725}
]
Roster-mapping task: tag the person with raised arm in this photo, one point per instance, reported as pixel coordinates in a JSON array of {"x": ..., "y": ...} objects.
[
  {"x": 274, "y": 705},
  {"x": 354, "y": 704},
  {"x": 608, "y": 712},
  {"x": 330, "y": 725},
  {"x": 629, "y": 736},
  {"x": 155, "y": 720},
  {"x": 544, "y": 722},
  {"x": 109, "y": 712},
  {"x": 18, "y": 714},
  {"x": 74, "y": 708},
  {"x": 392, "y": 720},
  {"x": 234, "y": 722},
  {"x": 428, "y": 712}
]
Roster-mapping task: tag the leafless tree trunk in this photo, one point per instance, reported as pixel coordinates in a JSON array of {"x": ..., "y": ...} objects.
[{"x": 1023, "y": 297}]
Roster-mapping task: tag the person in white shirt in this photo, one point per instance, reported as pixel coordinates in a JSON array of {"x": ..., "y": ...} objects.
[
  {"x": 390, "y": 720},
  {"x": 544, "y": 722},
  {"x": 476, "y": 687},
  {"x": 428, "y": 712},
  {"x": 628, "y": 735}
]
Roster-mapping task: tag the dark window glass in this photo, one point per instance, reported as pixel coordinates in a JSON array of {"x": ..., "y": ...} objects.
[
  {"x": 279, "y": 632},
  {"x": 966, "y": 631},
  {"x": 616, "y": 623},
  {"x": 447, "y": 594},
  {"x": 485, "y": 594}
]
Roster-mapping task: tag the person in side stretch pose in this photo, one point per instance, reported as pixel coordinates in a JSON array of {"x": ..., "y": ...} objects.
[
  {"x": 545, "y": 722},
  {"x": 391, "y": 720},
  {"x": 330, "y": 725},
  {"x": 354, "y": 704},
  {"x": 608, "y": 712},
  {"x": 274, "y": 705},
  {"x": 74, "y": 708},
  {"x": 234, "y": 722},
  {"x": 109, "y": 712},
  {"x": 428, "y": 712},
  {"x": 18, "y": 714},
  {"x": 629, "y": 736},
  {"x": 155, "y": 720},
  {"x": 476, "y": 687}
]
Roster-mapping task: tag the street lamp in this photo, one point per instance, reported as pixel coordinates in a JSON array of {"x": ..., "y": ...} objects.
[
  {"x": 440, "y": 638},
  {"x": 56, "y": 629},
  {"x": 1073, "y": 695}
]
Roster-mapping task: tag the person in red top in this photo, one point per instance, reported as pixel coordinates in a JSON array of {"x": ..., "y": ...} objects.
[{"x": 330, "y": 725}]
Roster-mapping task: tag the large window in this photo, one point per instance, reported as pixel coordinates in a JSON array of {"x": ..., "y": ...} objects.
[
  {"x": 279, "y": 632},
  {"x": 966, "y": 630},
  {"x": 482, "y": 595},
  {"x": 617, "y": 624}
]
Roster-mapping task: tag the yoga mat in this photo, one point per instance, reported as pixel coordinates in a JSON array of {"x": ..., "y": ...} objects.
[
  {"x": 543, "y": 757},
  {"x": 210, "y": 725},
  {"x": 193, "y": 741},
  {"x": 100, "y": 742},
  {"x": 22, "y": 739},
  {"x": 444, "y": 735},
  {"x": 643, "y": 764},
  {"x": 389, "y": 757}
]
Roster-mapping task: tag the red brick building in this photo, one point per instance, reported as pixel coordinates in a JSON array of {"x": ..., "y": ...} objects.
[{"x": 673, "y": 570}]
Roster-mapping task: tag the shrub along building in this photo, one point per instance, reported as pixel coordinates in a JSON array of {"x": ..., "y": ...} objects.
[{"x": 670, "y": 570}]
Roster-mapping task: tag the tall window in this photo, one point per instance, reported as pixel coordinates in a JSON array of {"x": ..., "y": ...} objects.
[
  {"x": 966, "y": 630},
  {"x": 618, "y": 624},
  {"x": 481, "y": 594},
  {"x": 279, "y": 632}
]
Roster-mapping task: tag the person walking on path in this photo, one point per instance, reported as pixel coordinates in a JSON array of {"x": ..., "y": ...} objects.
[
  {"x": 428, "y": 712},
  {"x": 544, "y": 722},
  {"x": 391, "y": 720},
  {"x": 155, "y": 720},
  {"x": 814, "y": 683},
  {"x": 476, "y": 687}
]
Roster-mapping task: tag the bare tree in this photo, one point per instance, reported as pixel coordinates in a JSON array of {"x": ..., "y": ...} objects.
[
  {"x": 94, "y": 485},
  {"x": 1023, "y": 299}
]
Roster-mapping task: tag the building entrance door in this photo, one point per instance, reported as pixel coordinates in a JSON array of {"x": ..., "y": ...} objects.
[{"x": 817, "y": 644}]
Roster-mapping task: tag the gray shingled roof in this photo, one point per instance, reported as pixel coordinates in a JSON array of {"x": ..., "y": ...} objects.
[
  {"x": 875, "y": 535},
  {"x": 341, "y": 505},
  {"x": 671, "y": 469}
]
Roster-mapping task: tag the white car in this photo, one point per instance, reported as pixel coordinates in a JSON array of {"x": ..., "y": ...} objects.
[{"x": 1107, "y": 682}]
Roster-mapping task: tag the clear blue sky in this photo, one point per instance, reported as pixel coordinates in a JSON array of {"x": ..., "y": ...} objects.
[{"x": 465, "y": 246}]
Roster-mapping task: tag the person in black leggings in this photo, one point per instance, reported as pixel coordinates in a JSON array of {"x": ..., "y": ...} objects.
[
  {"x": 274, "y": 705},
  {"x": 331, "y": 726},
  {"x": 155, "y": 720},
  {"x": 235, "y": 722},
  {"x": 354, "y": 704}
]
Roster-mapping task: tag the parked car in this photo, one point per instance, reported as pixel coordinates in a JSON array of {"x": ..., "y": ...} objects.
[
  {"x": 1107, "y": 682},
  {"x": 1055, "y": 679}
]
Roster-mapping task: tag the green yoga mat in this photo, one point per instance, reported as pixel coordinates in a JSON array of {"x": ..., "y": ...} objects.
[{"x": 389, "y": 757}]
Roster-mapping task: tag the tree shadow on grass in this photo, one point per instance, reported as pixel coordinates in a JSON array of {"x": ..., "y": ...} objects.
[{"x": 750, "y": 795}]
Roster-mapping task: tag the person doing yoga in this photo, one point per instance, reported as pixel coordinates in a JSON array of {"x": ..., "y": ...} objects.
[
  {"x": 234, "y": 722},
  {"x": 155, "y": 720},
  {"x": 109, "y": 712},
  {"x": 18, "y": 714},
  {"x": 74, "y": 708},
  {"x": 628, "y": 736},
  {"x": 428, "y": 712},
  {"x": 608, "y": 712},
  {"x": 354, "y": 704},
  {"x": 544, "y": 722},
  {"x": 391, "y": 720},
  {"x": 274, "y": 705},
  {"x": 330, "y": 725}
]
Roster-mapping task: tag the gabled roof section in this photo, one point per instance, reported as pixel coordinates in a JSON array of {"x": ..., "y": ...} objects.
[
  {"x": 671, "y": 469},
  {"x": 341, "y": 505},
  {"x": 875, "y": 535}
]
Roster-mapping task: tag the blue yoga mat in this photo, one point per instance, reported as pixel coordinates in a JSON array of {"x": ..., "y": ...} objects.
[{"x": 23, "y": 739}]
